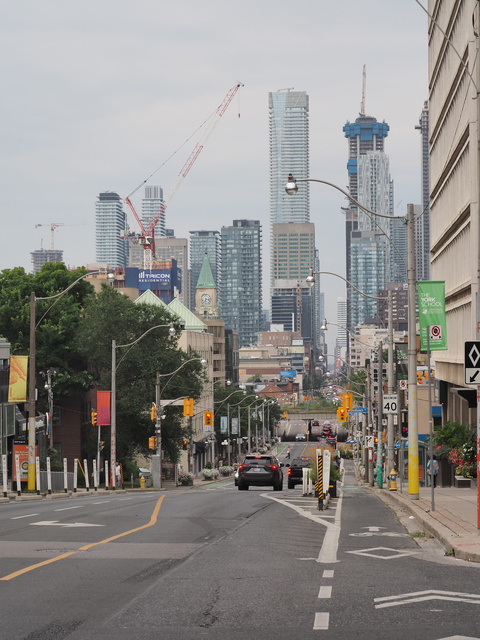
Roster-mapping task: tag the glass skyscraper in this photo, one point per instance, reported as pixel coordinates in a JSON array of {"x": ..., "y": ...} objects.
[
  {"x": 241, "y": 281},
  {"x": 110, "y": 228},
  {"x": 202, "y": 242}
]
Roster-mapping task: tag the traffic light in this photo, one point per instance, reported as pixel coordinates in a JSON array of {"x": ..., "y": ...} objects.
[
  {"x": 185, "y": 444},
  {"x": 94, "y": 417},
  {"x": 101, "y": 445},
  {"x": 347, "y": 401},
  {"x": 341, "y": 414},
  {"x": 152, "y": 442},
  {"x": 188, "y": 406},
  {"x": 208, "y": 418},
  {"x": 153, "y": 412}
]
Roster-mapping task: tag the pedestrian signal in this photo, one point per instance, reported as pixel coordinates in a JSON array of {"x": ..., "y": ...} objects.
[
  {"x": 185, "y": 444},
  {"x": 94, "y": 417}
]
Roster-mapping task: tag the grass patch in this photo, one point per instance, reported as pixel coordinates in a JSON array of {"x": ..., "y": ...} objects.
[{"x": 421, "y": 534}]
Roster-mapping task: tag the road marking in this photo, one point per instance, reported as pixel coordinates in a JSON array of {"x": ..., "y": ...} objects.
[
  {"x": 56, "y": 523},
  {"x": 394, "y": 553},
  {"x": 374, "y": 528},
  {"x": 328, "y": 573},
  {"x": 321, "y": 621},
  {"x": 80, "y": 506},
  {"x": 423, "y": 596},
  {"x": 387, "y": 534},
  {"x": 29, "y": 515},
  {"x": 152, "y": 521},
  {"x": 325, "y": 592}
]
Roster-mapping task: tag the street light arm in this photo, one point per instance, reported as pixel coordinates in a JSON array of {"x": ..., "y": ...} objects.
[
  {"x": 350, "y": 284},
  {"x": 131, "y": 344},
  {"x": 292, "y": 188}
]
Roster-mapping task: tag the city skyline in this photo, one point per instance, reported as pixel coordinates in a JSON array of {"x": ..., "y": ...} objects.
[{"x": 98, "y": 122}]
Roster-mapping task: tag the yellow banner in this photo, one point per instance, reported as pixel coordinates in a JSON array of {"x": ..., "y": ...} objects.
[{"x": 17, "y": 384}]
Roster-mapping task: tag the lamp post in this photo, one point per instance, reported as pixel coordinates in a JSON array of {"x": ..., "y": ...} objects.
[
  {"x": 31, "y": 375},
  {"x": 413, "y": 478},
  {"x": 113, "y": 392},
  {"x": 157, "y": 458}
]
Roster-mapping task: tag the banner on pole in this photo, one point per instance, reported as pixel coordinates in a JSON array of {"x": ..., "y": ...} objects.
[
  {"x": 103, "y": 408},
  {"x": 17, "y": 383},
  {"x": 431, "y": 312}
]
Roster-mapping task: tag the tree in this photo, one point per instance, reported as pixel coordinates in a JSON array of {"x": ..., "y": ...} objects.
[{"x": 109, "y": 316}]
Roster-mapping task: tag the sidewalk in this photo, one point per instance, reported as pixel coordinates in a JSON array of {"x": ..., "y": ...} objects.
[{"x": 453, "y": 522}]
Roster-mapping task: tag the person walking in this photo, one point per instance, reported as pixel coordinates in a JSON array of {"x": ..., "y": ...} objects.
[
  {"x": 432, "y": 470},
  {"x": 288, "y": 453}
]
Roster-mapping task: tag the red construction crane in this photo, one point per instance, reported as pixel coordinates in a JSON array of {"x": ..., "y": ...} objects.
[{"x": 147, "y": 236}]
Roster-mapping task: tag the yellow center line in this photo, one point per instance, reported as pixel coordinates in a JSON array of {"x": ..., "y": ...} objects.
[{"x": 152, "y": 521}]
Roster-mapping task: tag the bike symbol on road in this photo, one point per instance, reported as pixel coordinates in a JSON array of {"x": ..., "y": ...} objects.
[{"x": 376, "y": 531}]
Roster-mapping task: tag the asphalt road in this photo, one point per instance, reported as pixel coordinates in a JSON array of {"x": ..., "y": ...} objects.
[{"x": 215, "y": 562}]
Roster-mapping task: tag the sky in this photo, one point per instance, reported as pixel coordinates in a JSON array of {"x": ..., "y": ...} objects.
[{"x": 98, "y": 95}]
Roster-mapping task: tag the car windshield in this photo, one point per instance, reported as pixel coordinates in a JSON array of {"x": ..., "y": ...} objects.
[
  {"x": 301, "y": 462},
  {"x": 254, "y": 460}
]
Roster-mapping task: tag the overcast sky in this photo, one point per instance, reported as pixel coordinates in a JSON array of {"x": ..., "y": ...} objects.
[{"x": 98, "y": 95}]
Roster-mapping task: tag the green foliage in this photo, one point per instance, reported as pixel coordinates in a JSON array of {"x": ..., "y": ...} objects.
[{"x": 453, "y": 435}]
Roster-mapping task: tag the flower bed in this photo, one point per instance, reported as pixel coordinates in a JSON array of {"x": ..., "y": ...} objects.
[
  {"x": 186, "y": 479},
  {"x": 210, "y": 474}
]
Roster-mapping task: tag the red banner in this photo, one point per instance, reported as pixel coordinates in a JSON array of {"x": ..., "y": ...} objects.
[{"x": 103, "y": 408}]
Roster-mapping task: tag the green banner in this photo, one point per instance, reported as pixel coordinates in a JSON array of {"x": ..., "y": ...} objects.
[{"x": 431, "y": 313}]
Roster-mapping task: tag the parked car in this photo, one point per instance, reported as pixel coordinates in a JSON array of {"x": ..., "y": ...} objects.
[
  {"x": 260, "y": 471},
  {"x": 300, "y": 437},
  {"x": 295, "y": 471}
]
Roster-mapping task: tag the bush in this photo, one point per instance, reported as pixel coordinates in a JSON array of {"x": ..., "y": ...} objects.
[
  {"x": 210, "y": 474},
  {"x": 186, "y": 478},
  {"x": 226, "y": 470}
]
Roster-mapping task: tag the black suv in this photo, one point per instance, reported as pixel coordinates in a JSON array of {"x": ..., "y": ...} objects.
[{"x": 260, "y": 471}]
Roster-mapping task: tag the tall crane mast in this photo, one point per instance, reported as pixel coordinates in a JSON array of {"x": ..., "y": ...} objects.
[{"x": 147, "y": 236}]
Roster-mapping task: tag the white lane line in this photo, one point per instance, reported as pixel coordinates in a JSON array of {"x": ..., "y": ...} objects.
[
  {"x": 102, "y": 502},
  {"x": 80, "y": 506},
  {"x": 321, "y": 621},
  {"x": 328, "y": 573},
  {"x": 325, "y": 592},
  {"x": 29, "y": 515}
]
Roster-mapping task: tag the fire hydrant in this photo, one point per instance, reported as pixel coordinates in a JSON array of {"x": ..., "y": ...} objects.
[
  {"x": 142, "y": 482},
  {"x": 393, "y": 480}
]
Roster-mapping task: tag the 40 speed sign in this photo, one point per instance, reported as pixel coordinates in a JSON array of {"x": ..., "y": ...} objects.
[{"x": 390, "y": 403}]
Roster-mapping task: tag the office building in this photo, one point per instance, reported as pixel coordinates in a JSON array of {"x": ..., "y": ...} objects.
[
  {"x": 110, "y": 228},
  {"x": 42, "y": 256},
  {"x": 168, "y": 248},
  {"x": 241, "y": 279},
  {"x": 152, "y": 206}
]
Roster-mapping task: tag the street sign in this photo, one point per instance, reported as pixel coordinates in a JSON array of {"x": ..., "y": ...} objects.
[
  {"x": 472, "y": 362},
  {"x": 369, "y": 442},
  {"x": 358, "y": 410},
  {"x": 390, "y": 403}
]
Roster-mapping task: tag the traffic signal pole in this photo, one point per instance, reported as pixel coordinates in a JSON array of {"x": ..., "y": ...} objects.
[
  {"x": 380, "y": 417},
  {"x": 157, "y": 458}
]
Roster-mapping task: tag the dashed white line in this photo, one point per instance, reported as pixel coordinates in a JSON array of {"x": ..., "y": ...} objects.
[
  {"x": 321, "y": 621},
  {"x": 328, "y": 573},
  {"x": 80, "y": 506},
  {"x": 325, "y": 592},
  {"x": 29, "y": 515}
]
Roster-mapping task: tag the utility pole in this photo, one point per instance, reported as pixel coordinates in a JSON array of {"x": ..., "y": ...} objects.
[
  {"x": 157, "y": 458},
  {"x": 391, "y": 388},
  {"x": 413, "y": 479},
  {"x": 380, "y": 417}
]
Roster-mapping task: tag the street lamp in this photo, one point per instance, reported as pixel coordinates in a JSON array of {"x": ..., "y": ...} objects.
[
  {"x": 413, "y": 476},
  {"x": 113, "y": 400},
  {"x": 157, "y": 458},
  {"x": 31, "y": 376}
]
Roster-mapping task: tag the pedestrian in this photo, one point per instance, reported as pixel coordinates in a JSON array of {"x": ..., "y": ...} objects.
[
  {"x": 118, "y": 475},
  {"x": 432, "y": 469},
  {"x": 288, "y": 453}
]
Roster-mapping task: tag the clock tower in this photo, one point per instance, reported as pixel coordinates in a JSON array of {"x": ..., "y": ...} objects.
[{"x": 206, "y": 291}]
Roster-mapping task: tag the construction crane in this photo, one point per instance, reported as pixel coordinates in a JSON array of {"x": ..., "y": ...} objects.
[
  {"x": 53, "y": 226},
  {"x": 147, "y": 236}
]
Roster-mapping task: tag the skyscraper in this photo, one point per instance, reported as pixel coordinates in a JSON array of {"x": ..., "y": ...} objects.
[
  {"x": 292, "y": 247},
  {"x": 370, "y": 184},
  {"x": 110, "y": 228},
  {"x": 289, "y": 153},
  {"x": 151, "y": 205},
  {"x": 241, "y": 279},
  {"x": 168, "y": 247},
  {"x": 422, "y": 218}
]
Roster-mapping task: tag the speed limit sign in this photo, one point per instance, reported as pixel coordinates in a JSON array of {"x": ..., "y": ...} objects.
[{"x": 390, "y": 403}]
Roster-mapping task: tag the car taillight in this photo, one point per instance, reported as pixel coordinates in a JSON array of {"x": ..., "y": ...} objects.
[
  {"x": 272, "y": 466},
  {"x": 289, "y": 472},
  {"x": 240, "y": 466}
]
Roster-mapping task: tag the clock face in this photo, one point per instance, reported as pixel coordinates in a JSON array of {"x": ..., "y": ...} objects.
[{"x": 206, "y": 299}]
